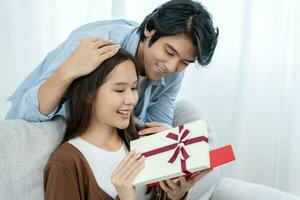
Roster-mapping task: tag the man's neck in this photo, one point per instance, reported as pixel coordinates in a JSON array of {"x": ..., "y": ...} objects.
[{"x": 139, "y": 57}]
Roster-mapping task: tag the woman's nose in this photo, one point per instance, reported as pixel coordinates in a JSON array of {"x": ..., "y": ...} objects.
[{"x": 132, "y": 98}]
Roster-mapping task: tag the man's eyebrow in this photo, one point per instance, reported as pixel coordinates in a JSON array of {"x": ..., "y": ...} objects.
[{"x": 173, "y": 49}]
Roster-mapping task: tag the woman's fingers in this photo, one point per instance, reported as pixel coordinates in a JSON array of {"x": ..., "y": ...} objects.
[
  {"x": 128, "y": 162},
  {"x": 138, "y": 168},
  {"x": 172, "y": 185},
  {"x": 123, "y": 180},
  {"x": 131, "y": 166},
  {"x": 164, "y": 186},
  {"x": 196, "y": 178},
  {"x": 182, "y": 181},
  {"x": 123, "y": 162},
  {"x": 128, "y": 169}
]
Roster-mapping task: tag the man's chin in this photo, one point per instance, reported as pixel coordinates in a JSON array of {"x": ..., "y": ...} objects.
[{"x": 154, "y": 77}]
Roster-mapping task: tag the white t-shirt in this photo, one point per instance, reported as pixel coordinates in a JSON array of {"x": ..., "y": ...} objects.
[{"x": 103, "y": 163}]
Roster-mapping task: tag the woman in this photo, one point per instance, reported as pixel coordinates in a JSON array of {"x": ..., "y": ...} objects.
[{"x": 95, "y": 161}]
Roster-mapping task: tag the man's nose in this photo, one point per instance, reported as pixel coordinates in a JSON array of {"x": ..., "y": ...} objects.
[{"x": 171, "y": 65}]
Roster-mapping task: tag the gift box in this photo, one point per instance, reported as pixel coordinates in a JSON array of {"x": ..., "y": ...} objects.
[{"x": 174, "y": 152}]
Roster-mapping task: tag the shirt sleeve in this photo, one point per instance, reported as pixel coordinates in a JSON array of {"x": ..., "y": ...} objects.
[
  {"x": 27, "y": 107},
  {"x": 163, "y": 109},
  {"x": 25, "y": 102},
  {"x": 60, "y": 184}
]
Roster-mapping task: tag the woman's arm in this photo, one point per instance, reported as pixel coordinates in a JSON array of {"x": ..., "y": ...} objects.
[{"x": 59, "y": 184}]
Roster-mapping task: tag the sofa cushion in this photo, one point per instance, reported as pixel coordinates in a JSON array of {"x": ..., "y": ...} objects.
[{"x": 25, "y": 148}]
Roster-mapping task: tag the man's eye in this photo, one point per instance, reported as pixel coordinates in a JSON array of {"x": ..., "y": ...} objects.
[
  {"x": 185, "y": 64},
  {"x": 134, "y": 88},
  {"x": 169, "y": 53}
]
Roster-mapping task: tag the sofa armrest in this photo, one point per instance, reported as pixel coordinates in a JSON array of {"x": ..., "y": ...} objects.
[
  {"x": 25, "y": 148},
  {"x": 233, "y": 189}
]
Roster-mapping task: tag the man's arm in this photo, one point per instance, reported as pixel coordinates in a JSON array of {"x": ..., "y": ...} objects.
[
  {"x": 90, "y": 53},
  {"x": 51, "y": 92},
  {"x": 25, "y": 100},
  {"x": 40, "y": 100}
]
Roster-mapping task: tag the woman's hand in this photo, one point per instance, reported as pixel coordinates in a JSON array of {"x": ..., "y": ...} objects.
[
  {"x": 151, "y": 128},
  {"x": 90, "y": 53},
  {"x": 123, "y": 176},
  {"x": 176, "y": 191}
]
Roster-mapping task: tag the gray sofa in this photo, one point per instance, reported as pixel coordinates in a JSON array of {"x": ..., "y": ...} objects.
[{"x": 25, "y": 148}]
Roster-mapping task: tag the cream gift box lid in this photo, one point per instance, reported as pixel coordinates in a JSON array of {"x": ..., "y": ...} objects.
[{"x": 158, "y": 167}]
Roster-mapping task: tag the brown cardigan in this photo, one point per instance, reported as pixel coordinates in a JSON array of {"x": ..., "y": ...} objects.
[{"x": 69, "y": 176}]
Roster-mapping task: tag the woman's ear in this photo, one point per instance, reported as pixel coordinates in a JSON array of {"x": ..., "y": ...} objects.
[
  {"x": 148, "y": 33},
  {"x": 90, "y": 98}
]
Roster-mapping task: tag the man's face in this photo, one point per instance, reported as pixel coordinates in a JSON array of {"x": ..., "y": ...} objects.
[{"x": 167, "y": 55}]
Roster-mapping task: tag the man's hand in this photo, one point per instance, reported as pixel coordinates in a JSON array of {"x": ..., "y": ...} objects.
[
  {"x": 151, "y": 128},
  {"x": 176, "y": 191},
  {"x": 90, "y": 53}
]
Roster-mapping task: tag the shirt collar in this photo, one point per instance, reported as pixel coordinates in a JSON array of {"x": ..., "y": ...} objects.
[
  {"x": 132, "y": 41},
  {"x": 162, "y": 81}
]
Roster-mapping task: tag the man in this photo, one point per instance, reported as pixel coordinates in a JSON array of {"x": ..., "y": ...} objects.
[{"x": 174, "y": 35}]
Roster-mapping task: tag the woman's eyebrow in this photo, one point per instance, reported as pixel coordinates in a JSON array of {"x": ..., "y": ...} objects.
[{"x": 125, "y": 83}]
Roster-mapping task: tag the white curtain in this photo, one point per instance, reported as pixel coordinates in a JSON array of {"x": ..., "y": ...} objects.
[{"x": 250, "y": 90}]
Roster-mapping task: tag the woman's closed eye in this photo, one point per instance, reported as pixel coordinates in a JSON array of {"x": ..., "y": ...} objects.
[
  {"x": 120, "y": 91},
  {"x": 123, "y": 90}
]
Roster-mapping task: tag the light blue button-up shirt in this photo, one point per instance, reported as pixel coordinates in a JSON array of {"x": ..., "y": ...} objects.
[{"x": 156, "y": 101}]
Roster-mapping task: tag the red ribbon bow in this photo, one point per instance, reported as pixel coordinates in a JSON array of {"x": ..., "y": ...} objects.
[{"x": 179, "y": 146}]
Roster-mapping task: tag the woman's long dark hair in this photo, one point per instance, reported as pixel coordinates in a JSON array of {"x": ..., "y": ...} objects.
[{"x": 81, "y": 94}]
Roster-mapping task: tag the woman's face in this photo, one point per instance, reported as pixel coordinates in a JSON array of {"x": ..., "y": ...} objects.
[{"x": 116, "y": 98}]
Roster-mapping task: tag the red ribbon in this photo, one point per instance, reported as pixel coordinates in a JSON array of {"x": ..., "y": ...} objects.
[{"x": 179, "y": 147}]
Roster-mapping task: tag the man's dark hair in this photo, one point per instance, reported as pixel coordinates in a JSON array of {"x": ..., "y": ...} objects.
[
  {"x": 185, "y": 17},
  {"x": 81, "y": 94}
]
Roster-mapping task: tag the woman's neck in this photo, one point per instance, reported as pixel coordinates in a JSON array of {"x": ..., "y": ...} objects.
[{"x": 105, "y": 137}]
